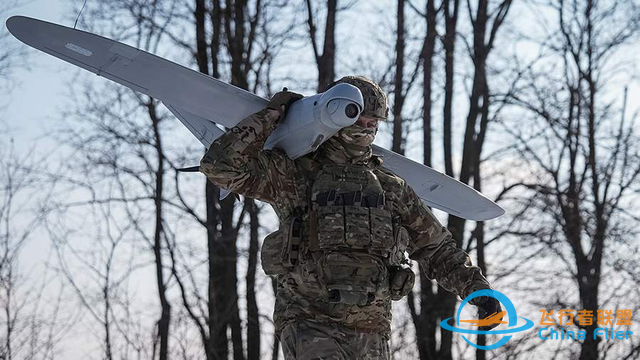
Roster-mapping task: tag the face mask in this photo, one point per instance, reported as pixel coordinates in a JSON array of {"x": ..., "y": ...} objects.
[
  {"x": 351, "y": 144},
  {"x": 357, "y": 135}
]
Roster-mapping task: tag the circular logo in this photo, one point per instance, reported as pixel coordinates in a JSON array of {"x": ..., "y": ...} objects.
[{"x": 511, "y": 316}]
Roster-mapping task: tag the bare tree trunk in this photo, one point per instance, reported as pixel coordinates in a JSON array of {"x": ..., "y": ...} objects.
[
  {"x": 479, "y": 231},
  {"x": 276, "y": 349},
  {"x": 478, "y": 234},
  {"x": 431, "y": 302},
  {"x": 449, "y": 42},
  {"x": 398, "y": 93},
  {"x": 202, "y": 58},
  {"x": 589, "y": 295},
  {"x": 478, "y": 109},
  {"x": 240, "y": 30},
  {"x": 165, "y": 317},
  {"x": 221, "y": 252},
  {"x": 456, "y": 225},
  {"x": 107, "y": 318},
  {"x": 214, "y": 45},
  {"x": 7, "y": 352},
  {"x": 276, "y": 342},
  {"x": 327, "y": 60},
  {"x": 240, "y": 44},
  {"x": 230, "y": 291},
  {"x": 427, "y": 59},
  {"x": 216, "y": 345},
  {"x": 253, "y": 324}
]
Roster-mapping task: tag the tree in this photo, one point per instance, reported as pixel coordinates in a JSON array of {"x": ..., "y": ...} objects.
[
  {"x": 449, "y": 44},
  {"x": 423, "y": 320},
  {"x": 247, "y": 35},
  {"x": 582, "y": 152},
  {"x": 24, "y": 293},
  {"x": 326, "y": 62},
  {"x": 398, "y": 93},
  {"x": 436, "y": 305},
  {"x": 23, "y": 305},
  {"x": 125, "y": 141}
]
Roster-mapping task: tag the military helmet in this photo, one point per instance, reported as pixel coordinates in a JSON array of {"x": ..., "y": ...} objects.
[{"x": 375, "y": 100}]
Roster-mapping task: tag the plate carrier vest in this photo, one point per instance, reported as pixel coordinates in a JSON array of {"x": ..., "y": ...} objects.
[{"x": 350, "y": 234}]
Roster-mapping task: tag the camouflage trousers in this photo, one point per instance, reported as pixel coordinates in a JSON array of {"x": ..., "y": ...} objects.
[{"x": 306, "y": 340}]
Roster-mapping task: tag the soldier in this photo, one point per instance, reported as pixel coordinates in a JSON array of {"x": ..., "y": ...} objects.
[{"x": 346, "y": 227}]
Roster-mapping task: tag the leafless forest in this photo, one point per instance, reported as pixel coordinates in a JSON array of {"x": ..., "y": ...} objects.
[{"x": 108, "y": 252}]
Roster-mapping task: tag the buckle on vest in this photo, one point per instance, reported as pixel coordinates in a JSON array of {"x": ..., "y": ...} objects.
[
  {"x": 374, "y": 201},
  {"x": 294, "y": 238},
  {"x": 352, "y": 198},
  {"x": 326, "y": 198},
  {"x": 331, "y": 198},
  {"x": 357, "y": 198}
]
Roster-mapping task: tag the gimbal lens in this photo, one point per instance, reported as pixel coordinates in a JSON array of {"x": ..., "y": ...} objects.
[{"x": 351, "y": 111}]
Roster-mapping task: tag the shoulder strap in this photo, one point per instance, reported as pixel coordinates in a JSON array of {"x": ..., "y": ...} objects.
[{"x": 306, "y": 174}]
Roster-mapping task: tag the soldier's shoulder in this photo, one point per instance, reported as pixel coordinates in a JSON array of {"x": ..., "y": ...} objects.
[
  {"x": 306, "y": 166},
  {"x": 307, "y": 162},
  {"x": 276, "y": 160},
  {"x": 390, "y": 180}
]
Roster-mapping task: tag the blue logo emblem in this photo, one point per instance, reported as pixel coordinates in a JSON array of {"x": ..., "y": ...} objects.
[{"x": 511, "y": 315}]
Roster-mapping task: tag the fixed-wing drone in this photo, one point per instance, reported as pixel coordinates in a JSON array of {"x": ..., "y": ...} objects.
[{"x": 200, "y": 102}]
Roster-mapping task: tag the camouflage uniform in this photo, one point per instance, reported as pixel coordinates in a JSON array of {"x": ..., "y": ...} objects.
[
  {"x": 339, "y": 257},
  {"x": 308, "y": 340}
]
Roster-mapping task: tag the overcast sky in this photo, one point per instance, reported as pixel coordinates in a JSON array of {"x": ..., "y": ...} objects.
[{"x": 38, "y": 91}]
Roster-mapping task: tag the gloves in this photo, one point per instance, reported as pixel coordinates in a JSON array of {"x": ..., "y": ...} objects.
[
  {"x": 487, "y": 306},
  {"x": 281, "y": 101}
]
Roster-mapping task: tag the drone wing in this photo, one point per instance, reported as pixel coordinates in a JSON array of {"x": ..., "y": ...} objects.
[
  {"x": 179, "y": 86},
  {"x": 439, "y": 190},
  {"x": 204, "y": 130}
]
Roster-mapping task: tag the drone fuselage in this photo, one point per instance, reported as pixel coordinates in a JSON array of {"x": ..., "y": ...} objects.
[{"x": 312, "y": 120}]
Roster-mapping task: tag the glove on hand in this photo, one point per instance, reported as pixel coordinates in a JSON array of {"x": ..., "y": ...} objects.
[
  {"x": 487, "y": 306},
  {"x": 281, "y": 101}
]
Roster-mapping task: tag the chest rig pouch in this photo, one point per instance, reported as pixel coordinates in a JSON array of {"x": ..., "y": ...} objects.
[{"x": 351, "y": 234}]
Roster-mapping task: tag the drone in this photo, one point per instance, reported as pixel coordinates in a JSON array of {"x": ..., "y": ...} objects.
[{"x": 203, "y": 104}]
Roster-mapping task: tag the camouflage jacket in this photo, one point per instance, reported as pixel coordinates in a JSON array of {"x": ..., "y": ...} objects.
[{"x": 237, "y": 161}]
